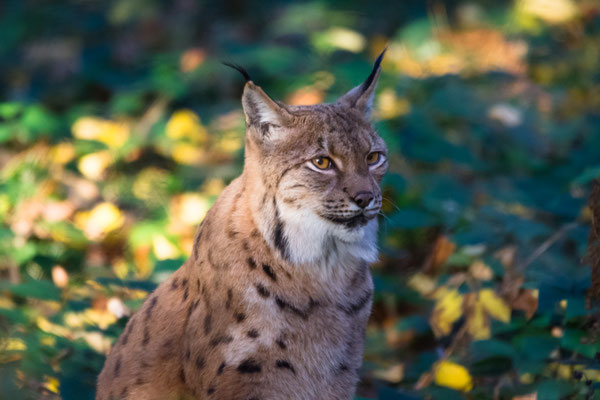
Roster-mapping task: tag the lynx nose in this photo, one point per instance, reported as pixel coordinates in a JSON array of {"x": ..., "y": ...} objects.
[{"x": 363, "y": 199}]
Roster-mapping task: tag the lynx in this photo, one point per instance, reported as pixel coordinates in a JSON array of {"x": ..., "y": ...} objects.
[{"x": 273, "y": 303}]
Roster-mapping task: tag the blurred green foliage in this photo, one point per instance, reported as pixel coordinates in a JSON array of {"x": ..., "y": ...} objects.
[{"x": 119, "y": 128}]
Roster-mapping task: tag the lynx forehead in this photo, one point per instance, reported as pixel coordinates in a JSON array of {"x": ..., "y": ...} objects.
[{"x": 274, "y": 301}]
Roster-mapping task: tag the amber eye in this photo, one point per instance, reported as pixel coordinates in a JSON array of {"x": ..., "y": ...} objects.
[
  {"x": 373, "y": 158},
  {"x": 322, "y": 162}
]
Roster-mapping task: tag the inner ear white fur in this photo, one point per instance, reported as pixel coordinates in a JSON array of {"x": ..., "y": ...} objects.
[{"x": 259, "y": 108}]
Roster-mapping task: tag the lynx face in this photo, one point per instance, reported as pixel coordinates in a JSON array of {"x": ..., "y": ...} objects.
[
  {"x": 321, "y": 166},
  {"x": 337, "y": 176}
]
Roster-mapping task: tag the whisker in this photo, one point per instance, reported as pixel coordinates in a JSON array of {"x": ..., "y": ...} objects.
[
  {"x": 384, "y": 216},
  {"x": 390, "y": 202}
]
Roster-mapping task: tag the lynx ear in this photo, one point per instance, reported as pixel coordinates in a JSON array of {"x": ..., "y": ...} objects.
[
  {"x": 264, "y": 114},
  {"x": 260, "y": 109},
  {"x": 361, "y": 97}
]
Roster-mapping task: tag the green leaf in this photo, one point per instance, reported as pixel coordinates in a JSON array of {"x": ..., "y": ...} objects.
[
  {"x": 43, "y": 290},
  {"x": 554, "y": 390}
]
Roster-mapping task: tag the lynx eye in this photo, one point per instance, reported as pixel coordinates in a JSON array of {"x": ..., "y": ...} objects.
[
  {"x": 373, "y": 158},
  {"x": 322, "y": 162}
]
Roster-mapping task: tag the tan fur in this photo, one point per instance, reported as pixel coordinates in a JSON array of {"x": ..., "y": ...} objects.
[{"x": 250, "y": 315}]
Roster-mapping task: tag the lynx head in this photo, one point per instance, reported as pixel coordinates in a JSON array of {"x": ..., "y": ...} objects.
[{"x": 320, "y": 167}]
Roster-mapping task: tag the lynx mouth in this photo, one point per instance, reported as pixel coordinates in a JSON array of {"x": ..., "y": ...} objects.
[{"x": 355, "y": 221}]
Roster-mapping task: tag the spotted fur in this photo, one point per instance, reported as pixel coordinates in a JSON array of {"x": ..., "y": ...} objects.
[{"x": 274, "y": 301}]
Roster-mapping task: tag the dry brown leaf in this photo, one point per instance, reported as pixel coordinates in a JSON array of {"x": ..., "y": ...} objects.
[{"x": 442, "y": 249}]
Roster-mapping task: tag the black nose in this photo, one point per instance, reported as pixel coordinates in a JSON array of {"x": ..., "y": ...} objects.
[{"x": 362, "y": 199}]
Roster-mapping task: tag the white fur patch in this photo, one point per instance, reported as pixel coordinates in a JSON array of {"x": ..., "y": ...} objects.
[{"x": 326, "y": 245}]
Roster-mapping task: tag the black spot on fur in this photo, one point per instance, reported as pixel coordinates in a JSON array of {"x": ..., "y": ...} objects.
[
  {"x": 245, "y": 245},
  {"x": 193, "y": 305},
  {"x": 217, "y": 340},
  {"x": 239, "y": 317},
  {"x": 269, "y": 271},
  {"x": 207, "y": 324},
  {"x": 185, "y": 294},
  {"x": 168, "y": 344},
  {"x": 231, "y": 233},
  {"x": 253, "y": 333},
  {"x": 174, "y": 284},
  {"x": 263, "y": 291},
  {"x": 351, "y": 309},
  {"x": 255, "y": 233},
  {"x": 285, "y": 364},
  {"x": 229, "y": 298},
  {"x": 249, "y": 366},
  {"x": 198, "y": 284},
  {"x": 187, "y": 355},
  {"x": 221, "y": 368},
  {"x": 139, "y": 381},
  {"x": 251, "y": 263},
  {"x": 146, "y": 338},
  {"x": 151, "y": 307},
  {"x": 124, "y": 392},
  {"x": 117, "y": 369},
  {"x": 210, "y": 391},
  {"x": 281, "y": 344},
  {"x": 125, "y": 337},
  {"x": 182, "y": 375},
  {"x": 279, "y": 239},
  {"x": 286, "y": 306},
  {"x": 200, "y": 363}
]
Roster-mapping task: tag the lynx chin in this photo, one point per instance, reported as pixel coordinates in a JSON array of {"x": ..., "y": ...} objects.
[{"x": 274, "y": 301}]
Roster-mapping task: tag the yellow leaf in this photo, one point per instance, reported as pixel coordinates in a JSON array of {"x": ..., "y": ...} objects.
[
  {"x": 163, "y": 249},
  {"x": 113, "y": 134},
  {"x": 495, "y": 306},
  {"x": 92, "y": 165},
  {"x": 186, "y": 124},
  {"x": 447, "y": 310},
  {"x": 103, "y": 218},
  {"x": 101, "y": 318},
  {"x": 478, "y": 323},
  {"x": 422, "y": 284},
  {"x": 52, "y": 328},
  {"x": 230, "y": 142},
  {"x": 190, "y": 208},
  {"x": 390, "y": 106},
  {"x": 551, "y": 11},
  {"x": 51, "y": 384},
  {"x": 453, "y": 375},
  {"x": 185, "y": 153},
  {"x": 96, "y": 341},
  {"x": 49, "y": 341},
  {"x": 343, "y": 38},
  {"x": 63, "y": 152},
  {"x": 13, "y": 344}
]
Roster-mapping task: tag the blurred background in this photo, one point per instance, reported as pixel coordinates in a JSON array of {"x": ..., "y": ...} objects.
[{"x": 119, "y": 127}]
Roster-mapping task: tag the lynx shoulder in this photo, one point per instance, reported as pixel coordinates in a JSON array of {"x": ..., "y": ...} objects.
[{"x": 274, "y": 301}]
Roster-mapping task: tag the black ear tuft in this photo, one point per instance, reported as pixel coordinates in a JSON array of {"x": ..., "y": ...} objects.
[
  {"x": 370, "y": 78},
  {"x": 238, "y": 68}
]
